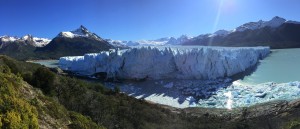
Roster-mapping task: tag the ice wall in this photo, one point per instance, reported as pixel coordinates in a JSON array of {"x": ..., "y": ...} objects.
[{"x": 167, "y": 62}]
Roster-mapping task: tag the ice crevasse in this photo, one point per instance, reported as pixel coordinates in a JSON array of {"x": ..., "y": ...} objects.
[{"x": 167, "y": 62}]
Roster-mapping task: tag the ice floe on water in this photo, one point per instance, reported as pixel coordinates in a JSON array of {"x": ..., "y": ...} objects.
[
  {"x": 247, "y": 95},
  {"x": 211, "y": 94}
]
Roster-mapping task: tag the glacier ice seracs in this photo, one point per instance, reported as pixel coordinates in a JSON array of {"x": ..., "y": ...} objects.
[{"x": 167, "y": 62}]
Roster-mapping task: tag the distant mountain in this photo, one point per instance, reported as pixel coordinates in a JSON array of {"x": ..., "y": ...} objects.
[
  {"x": 26, "y": 40},
  {"x": 118, "y": 43},
  {"x": 122, "y": 43},
  {"x": 178, "y": 41},
  {"x": 21, "y": 48},
  {"x": 156, "y": 42},
  {"x": 273, "y": 23},
  {"x": 73, "y": 43},
  {"x": 276, "y": 33},
  {"x": 69, "y": 43}
]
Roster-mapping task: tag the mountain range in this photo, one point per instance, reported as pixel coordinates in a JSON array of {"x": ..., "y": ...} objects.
[
  {"x": 68, "y": 43},
  {"x": 157, "y": 42},
  {"x": 276, "y": 33}
]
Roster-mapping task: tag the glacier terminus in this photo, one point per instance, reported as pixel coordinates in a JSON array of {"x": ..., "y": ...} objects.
[{"x": 168, "y": 62}]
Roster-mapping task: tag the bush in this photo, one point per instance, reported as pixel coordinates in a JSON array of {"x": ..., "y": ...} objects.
[
  {"x": 81, "y": 122},
  {"x": 43, "y": 78},
  {"x": 15, "y": 111},
  {"x": 117, "y": 89},
  {"x": 4, "y": 69},
  {"x": 13, "y": 67}
]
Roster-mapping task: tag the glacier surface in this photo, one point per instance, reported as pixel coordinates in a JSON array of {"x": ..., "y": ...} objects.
[{"x": 184, "y": 62}]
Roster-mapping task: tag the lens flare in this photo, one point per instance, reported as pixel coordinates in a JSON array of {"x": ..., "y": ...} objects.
[{"x": 229, "y": 101}]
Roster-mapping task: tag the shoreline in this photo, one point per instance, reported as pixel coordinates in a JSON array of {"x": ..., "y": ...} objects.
[{"x": 31, "y": 61}]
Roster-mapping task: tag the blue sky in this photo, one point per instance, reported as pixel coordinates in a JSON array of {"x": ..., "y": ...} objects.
[{"x": 137, "y": 19}]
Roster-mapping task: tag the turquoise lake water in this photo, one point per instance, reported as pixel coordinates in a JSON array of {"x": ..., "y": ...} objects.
[
  {"x": 47, "y": 63},
  {"x": 281, "y": 66}
]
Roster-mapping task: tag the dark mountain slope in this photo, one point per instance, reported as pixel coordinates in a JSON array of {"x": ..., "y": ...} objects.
[
  {"x": 73, "y": 43},
  {"x": 286, "y": 35},
  {"x": 19, "y": 49},
  {"x": 61, "y": 46}
]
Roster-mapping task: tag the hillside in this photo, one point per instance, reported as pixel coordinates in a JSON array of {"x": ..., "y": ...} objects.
[{"x": 22, "y": 106}]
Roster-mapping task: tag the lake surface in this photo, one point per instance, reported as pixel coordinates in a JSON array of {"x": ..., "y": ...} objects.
[
  {"x": 281, "y": 66},
  {"x": 47, "y": 63}
]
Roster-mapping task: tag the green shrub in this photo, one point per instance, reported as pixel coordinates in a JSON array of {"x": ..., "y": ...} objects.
[
  {"x": 13, "y": 66},
  {"x": 15, "y": 111},
  {"x": 81, "y": 122},
  {"x": 43, "y": 78},
  {"x": 293, "y": 124},
  {"x": 117, "y": 89},
  {"x": 4, "y": 69}
]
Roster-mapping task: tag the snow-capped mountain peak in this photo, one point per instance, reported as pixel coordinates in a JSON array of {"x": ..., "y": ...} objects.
[
  {"x": 117, "y": 43},
  {"x": 80, "y": 32},
  {"x": 35, "y": 41},
  {"x": 156, "y": 42},
  {"x": 184, "y": 36},
  {"x": 220, "y": 33},
  {"x": 7, "y": 38},
  {"x": 273, "y": 23},
  {"x": 26, "y": 37},
  {"x": 182, "y": 39},
  {"x": 41, "y": 42},
  {"x": 249, "y": 26},
  {"x": 277, "y": 18}
]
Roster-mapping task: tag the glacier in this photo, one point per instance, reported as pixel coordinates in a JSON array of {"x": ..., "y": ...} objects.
[{"x": 184, "y": 62}]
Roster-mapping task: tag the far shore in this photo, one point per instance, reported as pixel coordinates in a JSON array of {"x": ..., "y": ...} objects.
[{"x": 39, "y": 60}]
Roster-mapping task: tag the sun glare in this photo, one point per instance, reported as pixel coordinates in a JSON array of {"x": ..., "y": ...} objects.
[{"x": 228, "y": 6}]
